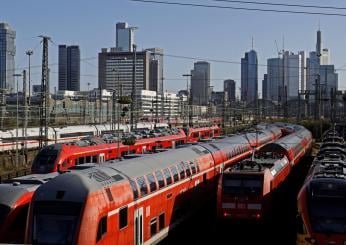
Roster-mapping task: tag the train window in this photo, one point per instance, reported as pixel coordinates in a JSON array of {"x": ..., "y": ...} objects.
[
  {"x": 187, "y": 168},
  {"x": 175, "y": 173},
  {"x": 81, "y": 160},
  {"x": 181, "y": 170},
  {"x": 20, "y": 220},
  {"x": 142, "y": 185},
  {"x": 122, "y": 217},
  {"x": 161, "y": 221},
  {"x": 94, "y": 159},
  {"x": 153, "y": 227},
  {"x": 152, "y": 182},
  {"x": 197, "y": 166},
  {"x": 134, "y": 189},
  {"x": 102, "y": 228},
  {"x": 167, "y": 176},
  {"x": 193, "y": 167},
  {"x": 88, "y": 159},
  {"x": 160, "y": 179}
]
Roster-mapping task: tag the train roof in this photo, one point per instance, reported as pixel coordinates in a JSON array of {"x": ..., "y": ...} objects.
[
  {"x": 14, "y": 188},
  {"x": 140, "y": 166}
]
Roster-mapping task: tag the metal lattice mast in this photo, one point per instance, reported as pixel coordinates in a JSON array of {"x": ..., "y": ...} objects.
[
  {"x": 133, "y": 118},
  {"x": 44, "y": 107}
]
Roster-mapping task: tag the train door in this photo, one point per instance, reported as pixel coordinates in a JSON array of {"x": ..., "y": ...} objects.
[
  {"x": 138, "y": 226},
  {"x": 101, "y": 158}
]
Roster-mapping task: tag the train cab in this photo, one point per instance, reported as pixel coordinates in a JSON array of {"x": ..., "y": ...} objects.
[
  {"x": 46, "y": 160},
  {"x": 245, "y": 190},
  {"x": 15, "y": 196},
  {"x": 239, "y": 196}
]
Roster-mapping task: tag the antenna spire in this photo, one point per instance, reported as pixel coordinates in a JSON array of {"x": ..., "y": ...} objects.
[{"x": 252, "y": 43}]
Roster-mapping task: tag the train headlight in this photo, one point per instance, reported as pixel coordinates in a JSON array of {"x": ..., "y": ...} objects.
[
  {"x": 344, "y": 242},
  {"x": 311, "y": 240}
]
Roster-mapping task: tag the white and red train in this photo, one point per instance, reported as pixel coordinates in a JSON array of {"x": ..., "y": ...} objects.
[
  {"x": 134, "y": 201},
  {"x": 322, "y": 199},
  {"x": 245, "y": 189},
  {"x": 9, "y": 139}
]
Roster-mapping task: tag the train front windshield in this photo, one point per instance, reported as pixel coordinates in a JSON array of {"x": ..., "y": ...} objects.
[
  {"x": 328, "y": 215},
  {"x": 4, "y": 211},
  {"x": 44, "y": 161},
  {"x": 246, "y": 185},
  {"x": 55, "y": 223}
]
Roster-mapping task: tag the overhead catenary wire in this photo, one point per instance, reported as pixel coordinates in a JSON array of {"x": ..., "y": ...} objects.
[
  {"x": 283, "y": 4},
  {"x": 238, "y": 8}
]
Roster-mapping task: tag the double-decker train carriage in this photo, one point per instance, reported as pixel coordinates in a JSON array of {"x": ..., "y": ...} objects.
[
  {"x": 245, "y": 189},
  {"x": 134, "y": 201},
  {"x": 15, "y": 196},
  {"x": 196, "y": 134},
  {"x": 322, "y": 199},
  {"x": 63, "y": 156}
]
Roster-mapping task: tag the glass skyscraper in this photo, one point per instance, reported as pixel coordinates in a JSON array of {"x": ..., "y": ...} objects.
[
  {"x": 249, "y": 77},
  {"x": 69, "y": 68}
]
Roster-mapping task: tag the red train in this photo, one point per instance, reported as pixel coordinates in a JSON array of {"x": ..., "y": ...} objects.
[
  {"x": 322, "y": 199},
  {"x": 134, "y": 201},
  {"x": 15, "y": 196},
  {"x": 65, "y": 156},
  {"x": 245, "y": 189}
]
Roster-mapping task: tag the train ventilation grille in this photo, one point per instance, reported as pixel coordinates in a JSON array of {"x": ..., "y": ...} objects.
[
  {"x": 99, "y": 176},
  {"x": 214, "y": 146}
]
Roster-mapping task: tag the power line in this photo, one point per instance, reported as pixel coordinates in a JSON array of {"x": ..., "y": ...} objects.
[
  {"x": 283, "y": 4},
  {"x": 239, "y": 8}
]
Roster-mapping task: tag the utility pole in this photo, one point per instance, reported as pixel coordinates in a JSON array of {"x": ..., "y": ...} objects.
[
  {"x": 285, "y": 101},
  {"x": 157, "y": 109},
  {"x": 17, "y": 105},
  {"x": 133, "y": 120},
  {"x": 88, "y": 104},
  {"x": 29, "y": 53},
  {"x": 100, "y": 104},
  {"x": 44, "y": 107},
  {"x": 25, "y": 124},
  {"x": 189, "y": 100}
]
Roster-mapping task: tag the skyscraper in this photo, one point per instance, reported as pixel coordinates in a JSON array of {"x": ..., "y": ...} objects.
[
  {"x": 156, "y": 70},
  {"x": 117, "y": 67},
  {"x": 7, "y": 54},
  {"x": 124, "y": 37},
  {"x": 69, "y": 68},
  {"x": 200, "y": 83},
  {"x": 265, "y": 93},
  {"x": 249, "y": 77},
  {"x": 316, "y": 58},
  {"x": 229, "y": 89},
  {"x": 285, "y": 73}
]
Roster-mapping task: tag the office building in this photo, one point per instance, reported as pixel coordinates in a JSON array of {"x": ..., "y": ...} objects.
[
  {"x": 285, "y": 76},
  {"x": 7, "y": 54},
  {"x": 69, "y": 68},
  {"x": 156, "y": 70},
  {"x": 229, "y": 87},
  {"x": 265, "y": 92},
  {"x": 200, "y": 83},
  {"x": 117, "y": 67},
  {"x": 124, "y": 37},
  {"x": 249, "y": 77}
]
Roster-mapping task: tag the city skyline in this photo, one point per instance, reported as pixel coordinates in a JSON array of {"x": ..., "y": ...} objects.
[{"x": 210, "y": 43}]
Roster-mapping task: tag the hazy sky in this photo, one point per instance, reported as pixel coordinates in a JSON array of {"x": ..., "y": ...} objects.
[{"x": 217, "y": 34}]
